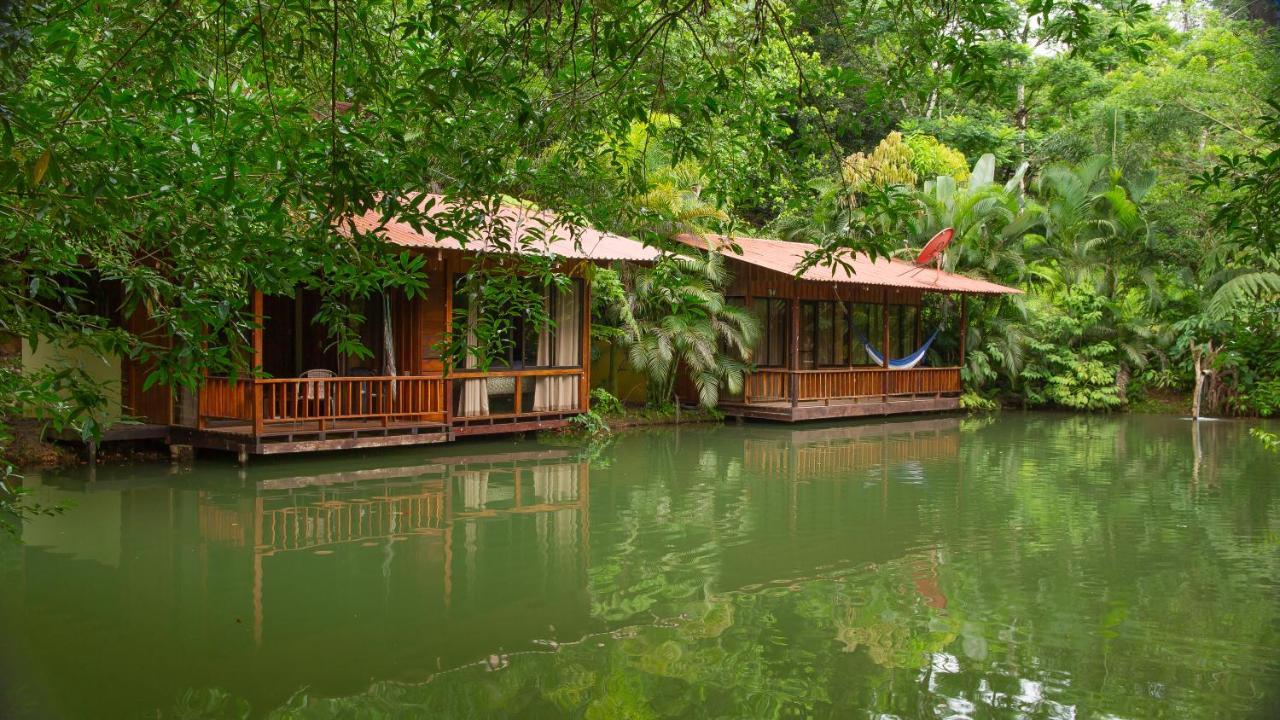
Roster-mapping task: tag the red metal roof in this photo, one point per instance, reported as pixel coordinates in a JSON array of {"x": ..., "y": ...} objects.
[
  {"x": 788, "y": 257},
  {"x": 512, "y": 230}
]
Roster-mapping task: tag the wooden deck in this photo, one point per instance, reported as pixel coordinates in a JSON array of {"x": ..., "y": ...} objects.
[
  {"x": 291, "y": 415},
  {"x": 840, "y": 408},
  {"x": 309, "y": 436},
  {"x": 794, "y": 396}
]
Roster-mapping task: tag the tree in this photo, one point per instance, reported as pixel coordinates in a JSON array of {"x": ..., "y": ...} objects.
[{"x": 685, "y": 325}]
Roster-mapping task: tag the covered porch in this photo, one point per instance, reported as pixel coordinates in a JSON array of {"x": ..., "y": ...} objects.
[
  {"x": 864, "y": 338},
  {"x": 305, "y": 396},
  {"x": 421, "y": 381}
]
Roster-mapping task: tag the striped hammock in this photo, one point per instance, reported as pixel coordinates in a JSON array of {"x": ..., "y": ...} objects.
[{"x": 904, "y": 363}]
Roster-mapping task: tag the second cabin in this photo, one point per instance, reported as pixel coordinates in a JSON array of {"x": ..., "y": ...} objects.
[{"x": 846, "y": 340}]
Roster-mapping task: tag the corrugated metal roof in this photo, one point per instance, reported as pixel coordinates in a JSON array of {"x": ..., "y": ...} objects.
[
  {"x": 788, "y": 257},
  {"x": 511, "y": 230}
]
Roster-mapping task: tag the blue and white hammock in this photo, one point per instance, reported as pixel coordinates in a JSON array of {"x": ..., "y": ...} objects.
[{"x": 905, "y": 363}]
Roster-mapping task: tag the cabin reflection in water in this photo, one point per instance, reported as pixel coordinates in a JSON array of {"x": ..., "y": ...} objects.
[
  {"x": 326, "y": 581},
  {"x": 842, "y": 498},
  {"x": 440, "y": 518},
  {"x": 827, "y": 452},
  {"x": 323, "y": 581}
]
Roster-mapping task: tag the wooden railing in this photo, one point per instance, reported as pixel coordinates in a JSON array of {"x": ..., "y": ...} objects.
[
  {"x": 924, "y": 381},
  {"x": 767, "y": 386},
  {"x": 773, "y": 385},
  {"x": 226, "y": 399},
  {"x": 267, "y": 401}
]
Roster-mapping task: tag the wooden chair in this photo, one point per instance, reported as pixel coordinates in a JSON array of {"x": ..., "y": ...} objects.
[{"x": 314, "y": 392}]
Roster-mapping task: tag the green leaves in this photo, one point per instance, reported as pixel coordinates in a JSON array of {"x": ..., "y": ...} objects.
[{"x": 1262, "y": 287}]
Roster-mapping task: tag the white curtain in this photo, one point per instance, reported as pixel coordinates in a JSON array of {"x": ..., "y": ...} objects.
[
  {"x": 555, "y": 483},
  {"x": 475, "y": 488},
  {"x": 475, "y": 393},
  {"x": 560, "y": 392}
]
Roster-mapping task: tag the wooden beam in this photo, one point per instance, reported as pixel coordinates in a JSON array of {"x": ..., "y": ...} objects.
[
  {"x": 964, "y": 328},
  {"x": 448, "y": 337},
  {"x": 255, "y": 391},
  {"x": 584, "y": 382},
  {"x": 884, "y": 347},
  {"x": 795, "y": 350},
  {"x": 275, "y": 448},
  {"x": 510, "y": 427}
]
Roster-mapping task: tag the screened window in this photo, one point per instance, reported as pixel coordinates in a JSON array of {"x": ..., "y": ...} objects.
[
  {"x": 826, "y": 333},
  {"x": 808, "y": 335},
  {"x": 867, "y": 326},
  {"x": 904, "y": 328},
  {"x": 771, "y": 346}
]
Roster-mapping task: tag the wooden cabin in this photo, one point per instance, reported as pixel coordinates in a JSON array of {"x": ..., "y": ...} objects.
[
  {"x": 303, "y": 395},
  {"x": 812, "y": 359}
]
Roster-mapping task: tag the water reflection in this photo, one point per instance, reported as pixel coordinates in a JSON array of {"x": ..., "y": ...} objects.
[{"x": 1050, "y": 566}]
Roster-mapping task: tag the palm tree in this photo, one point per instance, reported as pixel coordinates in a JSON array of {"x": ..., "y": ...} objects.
[
  {"x": 1088, "y": 229},
  {"x": 988, "y": 219},
  {"x": 684, "y": 323},
  {"x": 677, "y": 320}
]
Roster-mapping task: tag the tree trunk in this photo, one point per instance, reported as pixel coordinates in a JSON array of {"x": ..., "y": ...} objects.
[
  {"x": 1203, "y": 358},
  {"x": 1199, "y": 386},
  {"x": 1122, "y": 382}
]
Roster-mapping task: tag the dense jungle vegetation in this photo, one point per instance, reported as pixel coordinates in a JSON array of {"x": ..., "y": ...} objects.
[{"x": 1119, "y": 160}]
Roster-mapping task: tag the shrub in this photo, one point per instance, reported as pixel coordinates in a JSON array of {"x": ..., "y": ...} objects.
[
  {"x": 974, "y": 402},
  {"x": 591, "y": 423},
  {"x": 604, "y": 403}
]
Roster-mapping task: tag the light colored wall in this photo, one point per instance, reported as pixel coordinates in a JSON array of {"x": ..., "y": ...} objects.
[
  {"x": 631, "y": 384},
  {"x": 104, "y": 370}
]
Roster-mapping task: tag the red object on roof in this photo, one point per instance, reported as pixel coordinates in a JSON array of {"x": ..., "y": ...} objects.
[
  {"x": 936, "y": 244},
  {"x": 511, "y": 230},
  {"x": 788, "y": 257}
]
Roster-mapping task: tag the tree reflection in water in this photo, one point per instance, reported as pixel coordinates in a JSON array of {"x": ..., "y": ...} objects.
[{"x": 1030, "y": 565}]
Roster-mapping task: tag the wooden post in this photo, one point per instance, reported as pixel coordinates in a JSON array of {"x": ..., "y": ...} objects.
[
  {"x": 584, "y": 380},
  {"x": 795, "y": 349},
  {"x": 446, "y": 385},
  {"x": 884, "y": 347},
  {"x": 750, "y": 305},
  {"x": 254, "y": 388},
  {"x": 964, "y": 327},
  {"x": 200, "y": 422}
]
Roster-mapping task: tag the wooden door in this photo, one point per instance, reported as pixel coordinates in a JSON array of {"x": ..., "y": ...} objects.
[{"x": 154, "y": 404}]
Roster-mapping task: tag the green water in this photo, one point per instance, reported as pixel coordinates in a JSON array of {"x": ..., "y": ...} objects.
[{"x": 1044, "y": 566}]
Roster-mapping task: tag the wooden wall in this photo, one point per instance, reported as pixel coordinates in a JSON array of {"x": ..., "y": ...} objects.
[{"x": 153, "y": 404}]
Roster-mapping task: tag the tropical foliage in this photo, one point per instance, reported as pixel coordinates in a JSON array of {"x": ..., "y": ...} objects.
[
  {"x": 684, "y": 325},
  {"x": 173, "y": 147}
]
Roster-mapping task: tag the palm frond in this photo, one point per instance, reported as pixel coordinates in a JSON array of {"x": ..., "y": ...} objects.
[{"x": 1244, "y": 288}]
